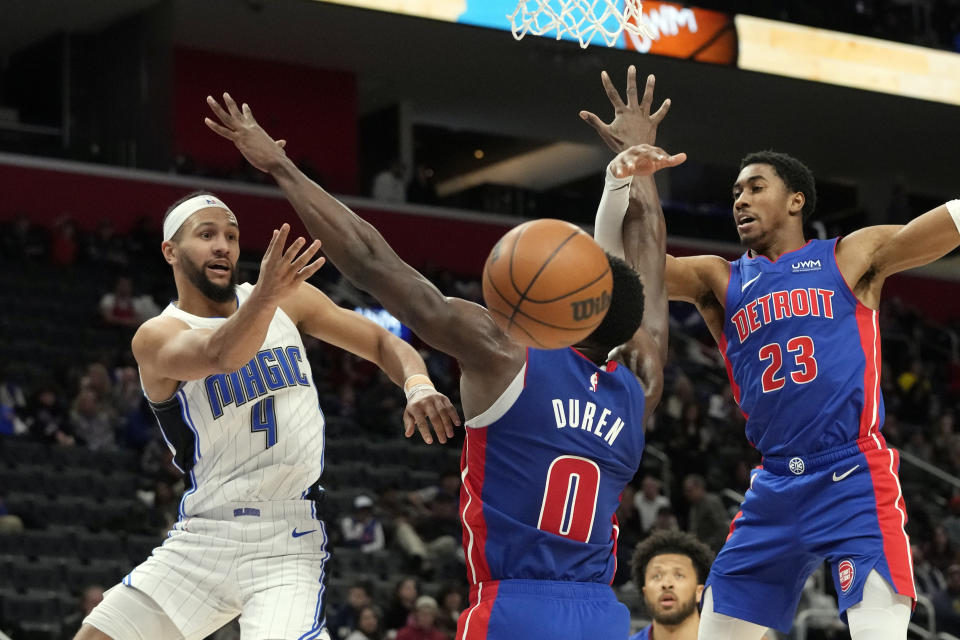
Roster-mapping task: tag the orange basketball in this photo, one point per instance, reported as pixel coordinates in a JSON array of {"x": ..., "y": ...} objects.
[{"x": 547, "y": 284}]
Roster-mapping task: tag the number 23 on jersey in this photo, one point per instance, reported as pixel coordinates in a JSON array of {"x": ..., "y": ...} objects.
[{"x": 802, "y": 370}]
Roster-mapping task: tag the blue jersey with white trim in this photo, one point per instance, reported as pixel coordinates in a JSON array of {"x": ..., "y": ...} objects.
[
  {"x": 252, "y": 435},
  {"x": 544, "y": 467},
  {"x": 802, "y": 353}
]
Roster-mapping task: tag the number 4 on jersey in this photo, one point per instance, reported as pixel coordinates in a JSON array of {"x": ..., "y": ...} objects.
[
  {"x": 802, "y": 348},
  {"x": 263, "y": 417},
  {"x": 570, "y": 498}
]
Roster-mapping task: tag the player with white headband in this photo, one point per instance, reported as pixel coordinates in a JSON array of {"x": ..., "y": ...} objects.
[{"x": 226, "y": 374}]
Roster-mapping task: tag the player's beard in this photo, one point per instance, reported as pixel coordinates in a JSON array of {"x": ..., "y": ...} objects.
[
  {"x": 213, "y": 291},
  {"x": 675, "y": 617}
]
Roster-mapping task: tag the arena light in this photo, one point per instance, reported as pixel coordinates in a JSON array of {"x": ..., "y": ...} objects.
[
  {"x": 768, "y": 46},
  {"x": 847, "y": 60}
]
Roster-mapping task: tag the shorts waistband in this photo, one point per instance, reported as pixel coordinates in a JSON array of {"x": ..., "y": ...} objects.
[
  {"x": 803, "y": 464},
  {"x": 543, "y": 588},
  {"x": 258, "y": 511}
]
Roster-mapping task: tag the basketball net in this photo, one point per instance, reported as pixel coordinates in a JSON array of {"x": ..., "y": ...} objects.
[{"x": 580, "y": 19}]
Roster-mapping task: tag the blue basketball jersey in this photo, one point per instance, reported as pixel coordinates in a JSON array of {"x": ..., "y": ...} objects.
[
  {"x": 543, "y": 469},
  {"x": 802, "y": 353}
]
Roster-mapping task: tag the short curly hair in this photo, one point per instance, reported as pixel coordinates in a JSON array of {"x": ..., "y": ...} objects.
[
  {"x": 670, "y": 541},
  {"x": 796, "y": 175}
]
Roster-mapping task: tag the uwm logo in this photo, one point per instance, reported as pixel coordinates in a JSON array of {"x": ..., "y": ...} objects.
[
  {"x": 806, "y": 265},
  {"x": 665, "y": 20},
  {"x": 584, "y": 309}
]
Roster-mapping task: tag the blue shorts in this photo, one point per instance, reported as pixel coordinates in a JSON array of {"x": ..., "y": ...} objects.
[
  {"x": 543, "y": 610},
  {"x": 844, "y": 506}
]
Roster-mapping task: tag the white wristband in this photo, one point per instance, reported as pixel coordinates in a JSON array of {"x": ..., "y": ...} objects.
[
  {"x": 417, "y": 389},
  {"x": 954, "y": 208}
]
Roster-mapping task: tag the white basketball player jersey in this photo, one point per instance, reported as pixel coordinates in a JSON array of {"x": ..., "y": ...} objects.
[{"x": 253, "y": 435}]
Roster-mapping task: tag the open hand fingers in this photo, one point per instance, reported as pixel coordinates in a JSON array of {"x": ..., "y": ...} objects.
[
  {"x": 632, "y": 87},
  {"x": 675, "y": 159},
  {"x": 661, "y": 112},
  {"x": 291, "y": 252},
  {"x": 219, "y": 111},
  {"x": 419, "y": 418},
  {"x": 231, "y": 105},
  {"x": 307, "y": 272},
  {"x": 307, "y": 254},
  {"x": 612, "y": 94},
  {"x": 647, "y": 101},
  {"x": 248, "y": 112},
  {"x": 409, "y": 423},
  {"x": 219, "y": 129},
  {"x": 439, "y": 418}
]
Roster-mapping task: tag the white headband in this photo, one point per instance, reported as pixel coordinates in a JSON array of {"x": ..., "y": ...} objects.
[{"x": 186, "y": 209}]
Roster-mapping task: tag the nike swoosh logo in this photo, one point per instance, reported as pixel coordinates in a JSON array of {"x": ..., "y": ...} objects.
[
  {"x": 838, "y": 478},
  {"x": 297, "y": 534},
  {"x": 750, "y": 282}
]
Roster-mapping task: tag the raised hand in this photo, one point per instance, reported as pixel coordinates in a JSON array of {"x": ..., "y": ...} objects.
[
  {"x": 282, "y": 270},
  {"x": 633, "y": 123},
  {"x": 239, "y": 126},
  {"x": 643, "y": 160},
  {"x": 430, "y": 407}
]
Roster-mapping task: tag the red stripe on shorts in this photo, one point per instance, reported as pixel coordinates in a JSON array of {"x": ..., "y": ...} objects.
[
  {"x": 892, "y": 515},
  {"x": 474, "y": 623}
]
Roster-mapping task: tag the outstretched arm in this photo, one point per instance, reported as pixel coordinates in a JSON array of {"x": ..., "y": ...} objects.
[
  {"x": 697, "y": 279},
  {"x": 630, "y": 220},
  {"x": 460, "y": 328},
  {"x": 868, "y": 256}
]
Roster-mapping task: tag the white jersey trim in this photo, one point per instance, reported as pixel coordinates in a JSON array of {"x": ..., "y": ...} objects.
[{"x": 502, "y": 404}]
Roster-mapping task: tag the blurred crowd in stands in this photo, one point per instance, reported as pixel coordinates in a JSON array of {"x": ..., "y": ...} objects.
[{"x": 695, "y": 470}]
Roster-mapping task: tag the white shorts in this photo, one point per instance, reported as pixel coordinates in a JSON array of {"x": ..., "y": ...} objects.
[{"x": 262, "y": 561}]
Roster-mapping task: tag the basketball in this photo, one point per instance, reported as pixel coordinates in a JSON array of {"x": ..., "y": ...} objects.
[{"x": 547, "y": 284}]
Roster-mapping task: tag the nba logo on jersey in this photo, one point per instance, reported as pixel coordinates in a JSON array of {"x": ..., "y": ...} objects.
[
  {"x": 846, "y": 570},
  {"x": 594, "y": 381}
]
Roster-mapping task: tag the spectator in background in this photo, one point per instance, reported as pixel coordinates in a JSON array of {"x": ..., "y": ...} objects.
[
  {"x": 165, "y": 510},
  {"x": 9, "y": 522},
  {"x": 92, "y": 422},
  {"x": 929, "y": 579},
  {"x": 401, "y": 605},
  {"x": 367, "y": 626},
  {"x": 47, "y": 418},
  {"x": 91, "y": 597},
  {"x": 422, "y": 626},
  {"x": 708, "y": 519},
  {"x": 23, "y": 240},
  {"x": 390, "y": 185},
  {"x": 451, "y": 599},
  {"x": 941, "y": 552},
  {"x": 666, "y": 520},
  {"x": 346, "y": 618},
  {"x": 914, "y": 387},
  {"x": 952, "y": 522},
  {"x": 362, "y": 529},
  {"x": 670, "y": 568},
  {"x": 63, "y": 247},
  {"x": 105, "y": 248},
  {"x": 649, "y": 501},
  {"x": 946, "y": 603},
  {"x": 121, "y": 308}
]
